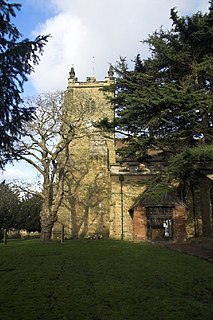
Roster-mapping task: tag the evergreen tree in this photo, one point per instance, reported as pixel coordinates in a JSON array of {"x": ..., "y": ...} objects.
[
  {"x": 9, "y": 206},
  {"x": 29, "y": 213},
  {"x": 17, "y": 58},
  {"x": 17, "y": 211},
  {"x": 165, "y": 103}
]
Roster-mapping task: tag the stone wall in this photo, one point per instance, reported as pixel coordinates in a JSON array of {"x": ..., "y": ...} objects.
[
  {"x": 96, "y": 201},
  {"x": 132, "y": 187},
  {"x": 85, "y": 209}
]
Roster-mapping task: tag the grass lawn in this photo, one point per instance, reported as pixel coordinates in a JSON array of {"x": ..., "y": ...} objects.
[{"x": 102, "y": 280}]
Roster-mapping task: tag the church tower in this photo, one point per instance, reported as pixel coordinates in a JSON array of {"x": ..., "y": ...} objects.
[{"x": 86, "y": 207}]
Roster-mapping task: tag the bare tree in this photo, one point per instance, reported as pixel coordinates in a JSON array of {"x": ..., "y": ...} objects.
[{"x": 46, "y": 148}]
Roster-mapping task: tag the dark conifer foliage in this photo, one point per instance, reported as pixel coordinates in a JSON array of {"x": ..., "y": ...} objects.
[
  {"x": 17, "y": 58},
  {"x": 17, "y": 211},
  {"x": 9, "y": 206},
  {"x": 166, "y": 102}
]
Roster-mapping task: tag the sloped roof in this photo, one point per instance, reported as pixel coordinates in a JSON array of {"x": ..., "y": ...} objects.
[{"x": 168, "y": 199}]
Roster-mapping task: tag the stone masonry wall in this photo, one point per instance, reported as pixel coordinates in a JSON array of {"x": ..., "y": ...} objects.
[
  {"x": 85, "y": 209},
  {"x": 133, "y": 186}
]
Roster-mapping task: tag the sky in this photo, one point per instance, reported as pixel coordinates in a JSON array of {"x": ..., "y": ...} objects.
[{"x": 89, "y": 35}]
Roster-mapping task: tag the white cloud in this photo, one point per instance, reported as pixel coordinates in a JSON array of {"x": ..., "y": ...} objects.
[
  {"x": 105, "y": 29},
  {"x": 67, "y": 37},
  {"x": 20, "y": 171}
]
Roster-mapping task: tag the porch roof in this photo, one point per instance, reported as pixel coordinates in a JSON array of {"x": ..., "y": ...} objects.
[{"x": 169, "y": 199}]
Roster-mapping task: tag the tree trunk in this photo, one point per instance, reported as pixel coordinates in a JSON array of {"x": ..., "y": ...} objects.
[
  {"x": 47, "y": 221},
  {"x": 205, "y": 207},
  {"x": 46, "y": 234},
  {"x": 49, "y": 210},
  {"x": 5, "y": 237},
  {"x": 194, "y": 211}
]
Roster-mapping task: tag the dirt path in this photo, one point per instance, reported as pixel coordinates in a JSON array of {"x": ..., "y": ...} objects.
[{"x": 202, "y": 248}]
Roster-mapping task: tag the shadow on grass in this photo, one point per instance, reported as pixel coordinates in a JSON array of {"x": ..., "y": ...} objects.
[{"x": 102, "y": 280}]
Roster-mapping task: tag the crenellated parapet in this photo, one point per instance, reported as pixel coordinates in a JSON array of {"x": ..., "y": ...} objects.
[{"x": 91, "y": 81}]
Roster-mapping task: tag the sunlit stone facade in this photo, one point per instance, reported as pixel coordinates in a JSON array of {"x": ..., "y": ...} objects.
[{"x": 101, "y": 194}]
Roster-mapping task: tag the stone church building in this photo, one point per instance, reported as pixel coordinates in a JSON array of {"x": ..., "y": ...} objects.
[{"x": 103, "y": 196}]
